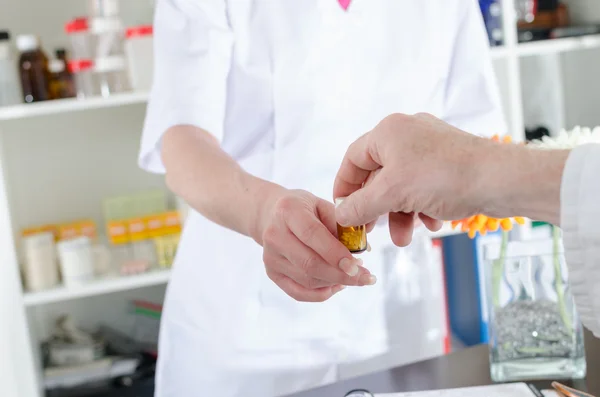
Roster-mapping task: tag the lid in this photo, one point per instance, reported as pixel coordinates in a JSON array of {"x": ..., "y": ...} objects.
[
  {"x": 56, "y": 66},
  {"x": 27, "y": 42},
  {"x": 4, "y": 35},
  {"x": 60, "y": 53},
  {"x": 80, "y": 65},
  {"x": 139, "y": 31},
  {"x": 77, "y": 25},
  {"x": 106, "y": 25},
  {"x": 109, "y": 64}
]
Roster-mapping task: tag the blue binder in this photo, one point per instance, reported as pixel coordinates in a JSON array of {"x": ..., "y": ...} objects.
[{"x": 466, "y": 286}]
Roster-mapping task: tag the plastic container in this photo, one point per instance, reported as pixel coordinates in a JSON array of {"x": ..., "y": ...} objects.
[
  {"x": 83, "y": 77},
  {"x": 76, "y": 261},
  {"x": 40, "y": 269},
  {"x": 61, "y": 81},
  {"x": 111, "y": 75},
  {"x": 10, "y": 92},
  {"x": 33, "y": 67},
  {"x": 103, "y": 8},
  {"x": 81, "y": 39},
  {"x": 108, "y": 37},
  {"x": 140, "y": 56}
]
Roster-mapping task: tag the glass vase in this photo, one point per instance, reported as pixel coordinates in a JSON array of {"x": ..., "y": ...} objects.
[{"x": 535, "y": 332}]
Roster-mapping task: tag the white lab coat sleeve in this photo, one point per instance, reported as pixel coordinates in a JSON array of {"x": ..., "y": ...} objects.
[
  {"x": 580, "y": 222},
  {"x": 192, "y": 55},
  {"x": 472, "y": 99}
]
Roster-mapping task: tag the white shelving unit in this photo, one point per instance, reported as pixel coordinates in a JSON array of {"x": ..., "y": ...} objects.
[
  {"x": 42, "y": 144},
  {"x": 97, "y": 287}
]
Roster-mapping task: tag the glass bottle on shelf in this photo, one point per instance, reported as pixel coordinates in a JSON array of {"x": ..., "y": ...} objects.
[
  {"x": 61, "y": 82},
  {"x": 33, "y": 67},
  {"x": 10, "y": 92}
]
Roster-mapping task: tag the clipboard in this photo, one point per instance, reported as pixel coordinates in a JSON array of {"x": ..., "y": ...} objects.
[{"x": 506, "y": 390}]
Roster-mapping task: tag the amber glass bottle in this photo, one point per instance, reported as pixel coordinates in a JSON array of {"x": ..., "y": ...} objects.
[
  {"x": 33, "y": 68},
  {"x": 353, "y": 237}
]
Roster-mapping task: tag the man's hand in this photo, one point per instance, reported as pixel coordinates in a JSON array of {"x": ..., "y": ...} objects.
[
  {"x": 301, "y": 252},
  {"x": 411, "y": 167}
]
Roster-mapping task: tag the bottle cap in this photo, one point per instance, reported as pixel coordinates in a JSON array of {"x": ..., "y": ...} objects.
[
  {"x": 80, "y": 65},
  {"x": 27, "y": 42},
  {"x": 109, "y": 64},
  {"x": 139, "y": 31},
  {"x": 56, "y": 66},
  {"x": 77, "y": 25},
  {"x": 4, "y": 35},
  {"x": 60, "y": 52}
]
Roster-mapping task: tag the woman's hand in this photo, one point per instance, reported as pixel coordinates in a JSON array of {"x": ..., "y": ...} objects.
[{"x": 302, "y": 254}]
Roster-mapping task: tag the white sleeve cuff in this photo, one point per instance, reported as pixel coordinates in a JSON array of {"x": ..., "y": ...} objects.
[{"x": 580, "y": 221}]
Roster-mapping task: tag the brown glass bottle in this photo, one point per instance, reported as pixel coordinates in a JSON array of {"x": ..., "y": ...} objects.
[
  {"x": 353, "y": 237},
  {"x": 61, "y": 81},
  {"x": 33, "y": 68}
]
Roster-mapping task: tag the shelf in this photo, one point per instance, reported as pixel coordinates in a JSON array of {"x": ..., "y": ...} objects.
[
  {"x": 499, "y": 52},
  {"x": 98, "y": 287},
  {"x": 554, "y": 46},
  {"x": 70, "y": 105}
]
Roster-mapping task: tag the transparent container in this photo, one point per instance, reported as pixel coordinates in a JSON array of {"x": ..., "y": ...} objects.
[
  {"x": 81, "y": 39},
  {"x": 103, "y": 8},
  {"x": 111, "y": 75},
  {"x": 109, "y": 37},
  {"x": 10, "y": 91},
  {"x": 83, "y": 77},
  {"x": 535, "y": 332},
  {"x": 140, "y": 58}
]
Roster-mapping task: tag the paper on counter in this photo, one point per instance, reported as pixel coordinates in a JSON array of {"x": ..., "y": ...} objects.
[{"x": 509, "y": 390}]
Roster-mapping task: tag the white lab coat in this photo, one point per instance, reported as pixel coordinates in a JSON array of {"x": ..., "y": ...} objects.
[
  {"x": 286, "y": 86},
  {"x": 580, "y": 221}
]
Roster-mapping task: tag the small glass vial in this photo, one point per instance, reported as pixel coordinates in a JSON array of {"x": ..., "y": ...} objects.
[{"x": 353, "y": 237}]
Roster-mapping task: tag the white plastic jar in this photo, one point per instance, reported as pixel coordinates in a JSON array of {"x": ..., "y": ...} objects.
[
  {"x": 40, "y": 267},
  {"x": 82, "y": 46},
  {"x": 76, "y": 261},
  {"x": 111, "y": 75},
  {"x": 140, "y": 56},
  {"x": 83, "y": 78}
]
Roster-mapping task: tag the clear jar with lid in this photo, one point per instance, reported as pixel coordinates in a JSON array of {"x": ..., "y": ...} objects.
[
  {"x": 109, "y": 37},
  {"x": 83, "y": 78},
  {"x": 111, "y": 75},
  {"x": 103, "y": 8},
  {"x": 140, "y": 56},
  {"x": 10, "y": 93},
  {"x": 82, "y": 46}
]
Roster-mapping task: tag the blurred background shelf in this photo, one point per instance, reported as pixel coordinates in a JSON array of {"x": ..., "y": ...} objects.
[
  {"x": 59, "y": 106},
  {"x": 555, "y": 46},
  {"x": 99, "y": 287}
]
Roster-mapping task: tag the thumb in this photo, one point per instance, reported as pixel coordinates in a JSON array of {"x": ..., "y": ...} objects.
[{"x": 363, "y": 206}]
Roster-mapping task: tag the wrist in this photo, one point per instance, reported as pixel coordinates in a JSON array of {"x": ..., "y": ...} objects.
[
  {"x": 264, "y": 196},
  {"x": 519, "y": 181}
]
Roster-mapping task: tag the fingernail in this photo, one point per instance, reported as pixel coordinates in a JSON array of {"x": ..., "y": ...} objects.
[
  {"x": 368, "y": 279},
  {"x": 349, "y": 267},
  {"x": 337, "y": 289},
  {"x": 341, "y": 215},
  {"x": 368, "y": 247}
]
